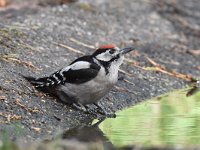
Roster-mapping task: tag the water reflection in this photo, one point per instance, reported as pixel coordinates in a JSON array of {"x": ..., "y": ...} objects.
[{"x": 89, "y": 134}]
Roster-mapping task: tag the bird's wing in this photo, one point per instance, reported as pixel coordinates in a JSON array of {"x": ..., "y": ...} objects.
[{"x": 80, "y": 72}]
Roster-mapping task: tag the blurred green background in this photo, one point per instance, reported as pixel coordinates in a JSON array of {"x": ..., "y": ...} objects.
[{"x": 168, "y": 120}]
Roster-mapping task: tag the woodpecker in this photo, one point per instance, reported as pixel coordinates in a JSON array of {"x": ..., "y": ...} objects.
[{"x": 86, "y": 80}]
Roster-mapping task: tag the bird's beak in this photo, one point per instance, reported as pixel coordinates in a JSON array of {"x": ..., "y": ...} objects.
[{"x": 126, "y": 50}]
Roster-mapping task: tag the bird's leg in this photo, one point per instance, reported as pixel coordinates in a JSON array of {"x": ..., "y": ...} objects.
[{"x": 79, "y": 106}]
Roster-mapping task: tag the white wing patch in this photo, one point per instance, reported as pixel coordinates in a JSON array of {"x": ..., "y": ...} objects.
[
  {"x": 64, "y": 69},
  {"x": 75, "y": 66},
  {"x": 80, "y": 65}
]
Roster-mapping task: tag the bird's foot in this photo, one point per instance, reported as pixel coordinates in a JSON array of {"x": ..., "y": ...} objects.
[
  {"x": 93, "y": 111},
  {"x": 100, "y": 115},
  {"x": 85, "y": 109},
  {"x": 101, "y": 111}
]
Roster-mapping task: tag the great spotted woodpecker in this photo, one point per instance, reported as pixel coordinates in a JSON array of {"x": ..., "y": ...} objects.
[{"x": 87, "y": 79}]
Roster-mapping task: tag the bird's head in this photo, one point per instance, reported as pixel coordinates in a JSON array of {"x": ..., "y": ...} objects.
[{"x": 110, "y": 54}]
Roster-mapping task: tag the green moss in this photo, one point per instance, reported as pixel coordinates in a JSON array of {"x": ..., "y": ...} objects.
[{"x": 7, "y": 144}]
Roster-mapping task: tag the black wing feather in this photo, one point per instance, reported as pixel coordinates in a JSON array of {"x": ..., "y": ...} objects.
[
  {"x": 82, "y": 75},
  {"x": 68, "y": 76}
]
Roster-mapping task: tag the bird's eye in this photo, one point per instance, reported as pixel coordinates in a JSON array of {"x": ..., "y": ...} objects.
[{"x": 112, "y": 51}]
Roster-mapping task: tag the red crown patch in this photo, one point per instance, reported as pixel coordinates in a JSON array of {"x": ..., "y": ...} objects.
[{"x": 109, "y": 46}]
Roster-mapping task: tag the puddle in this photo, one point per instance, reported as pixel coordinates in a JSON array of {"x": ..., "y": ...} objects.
[{"x": 168, "y": 120}]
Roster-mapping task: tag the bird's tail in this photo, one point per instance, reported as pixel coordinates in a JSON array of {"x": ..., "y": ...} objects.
[
  {"x": 30, "y": 79},
  {"x": 39, "y": 83}
]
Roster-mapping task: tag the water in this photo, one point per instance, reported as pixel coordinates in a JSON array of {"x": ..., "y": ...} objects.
[{"x": 168, "y": 120}]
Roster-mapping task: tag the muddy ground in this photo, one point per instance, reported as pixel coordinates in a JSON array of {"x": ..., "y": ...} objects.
[{"x": 38, "y": 40}]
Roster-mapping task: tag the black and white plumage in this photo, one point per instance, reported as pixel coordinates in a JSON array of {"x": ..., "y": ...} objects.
[{"x": 87, "y": 79}]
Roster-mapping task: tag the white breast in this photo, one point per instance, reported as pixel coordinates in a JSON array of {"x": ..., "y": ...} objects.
[{"x": 92, "y": 91}]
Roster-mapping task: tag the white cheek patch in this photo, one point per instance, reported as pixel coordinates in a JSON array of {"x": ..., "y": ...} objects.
[
  {"x": 80, "y": 65},
  {"x": 104, "y": 57}
]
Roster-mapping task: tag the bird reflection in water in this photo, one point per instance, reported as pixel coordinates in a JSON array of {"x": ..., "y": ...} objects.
[{"x": 89, "y": 134}]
